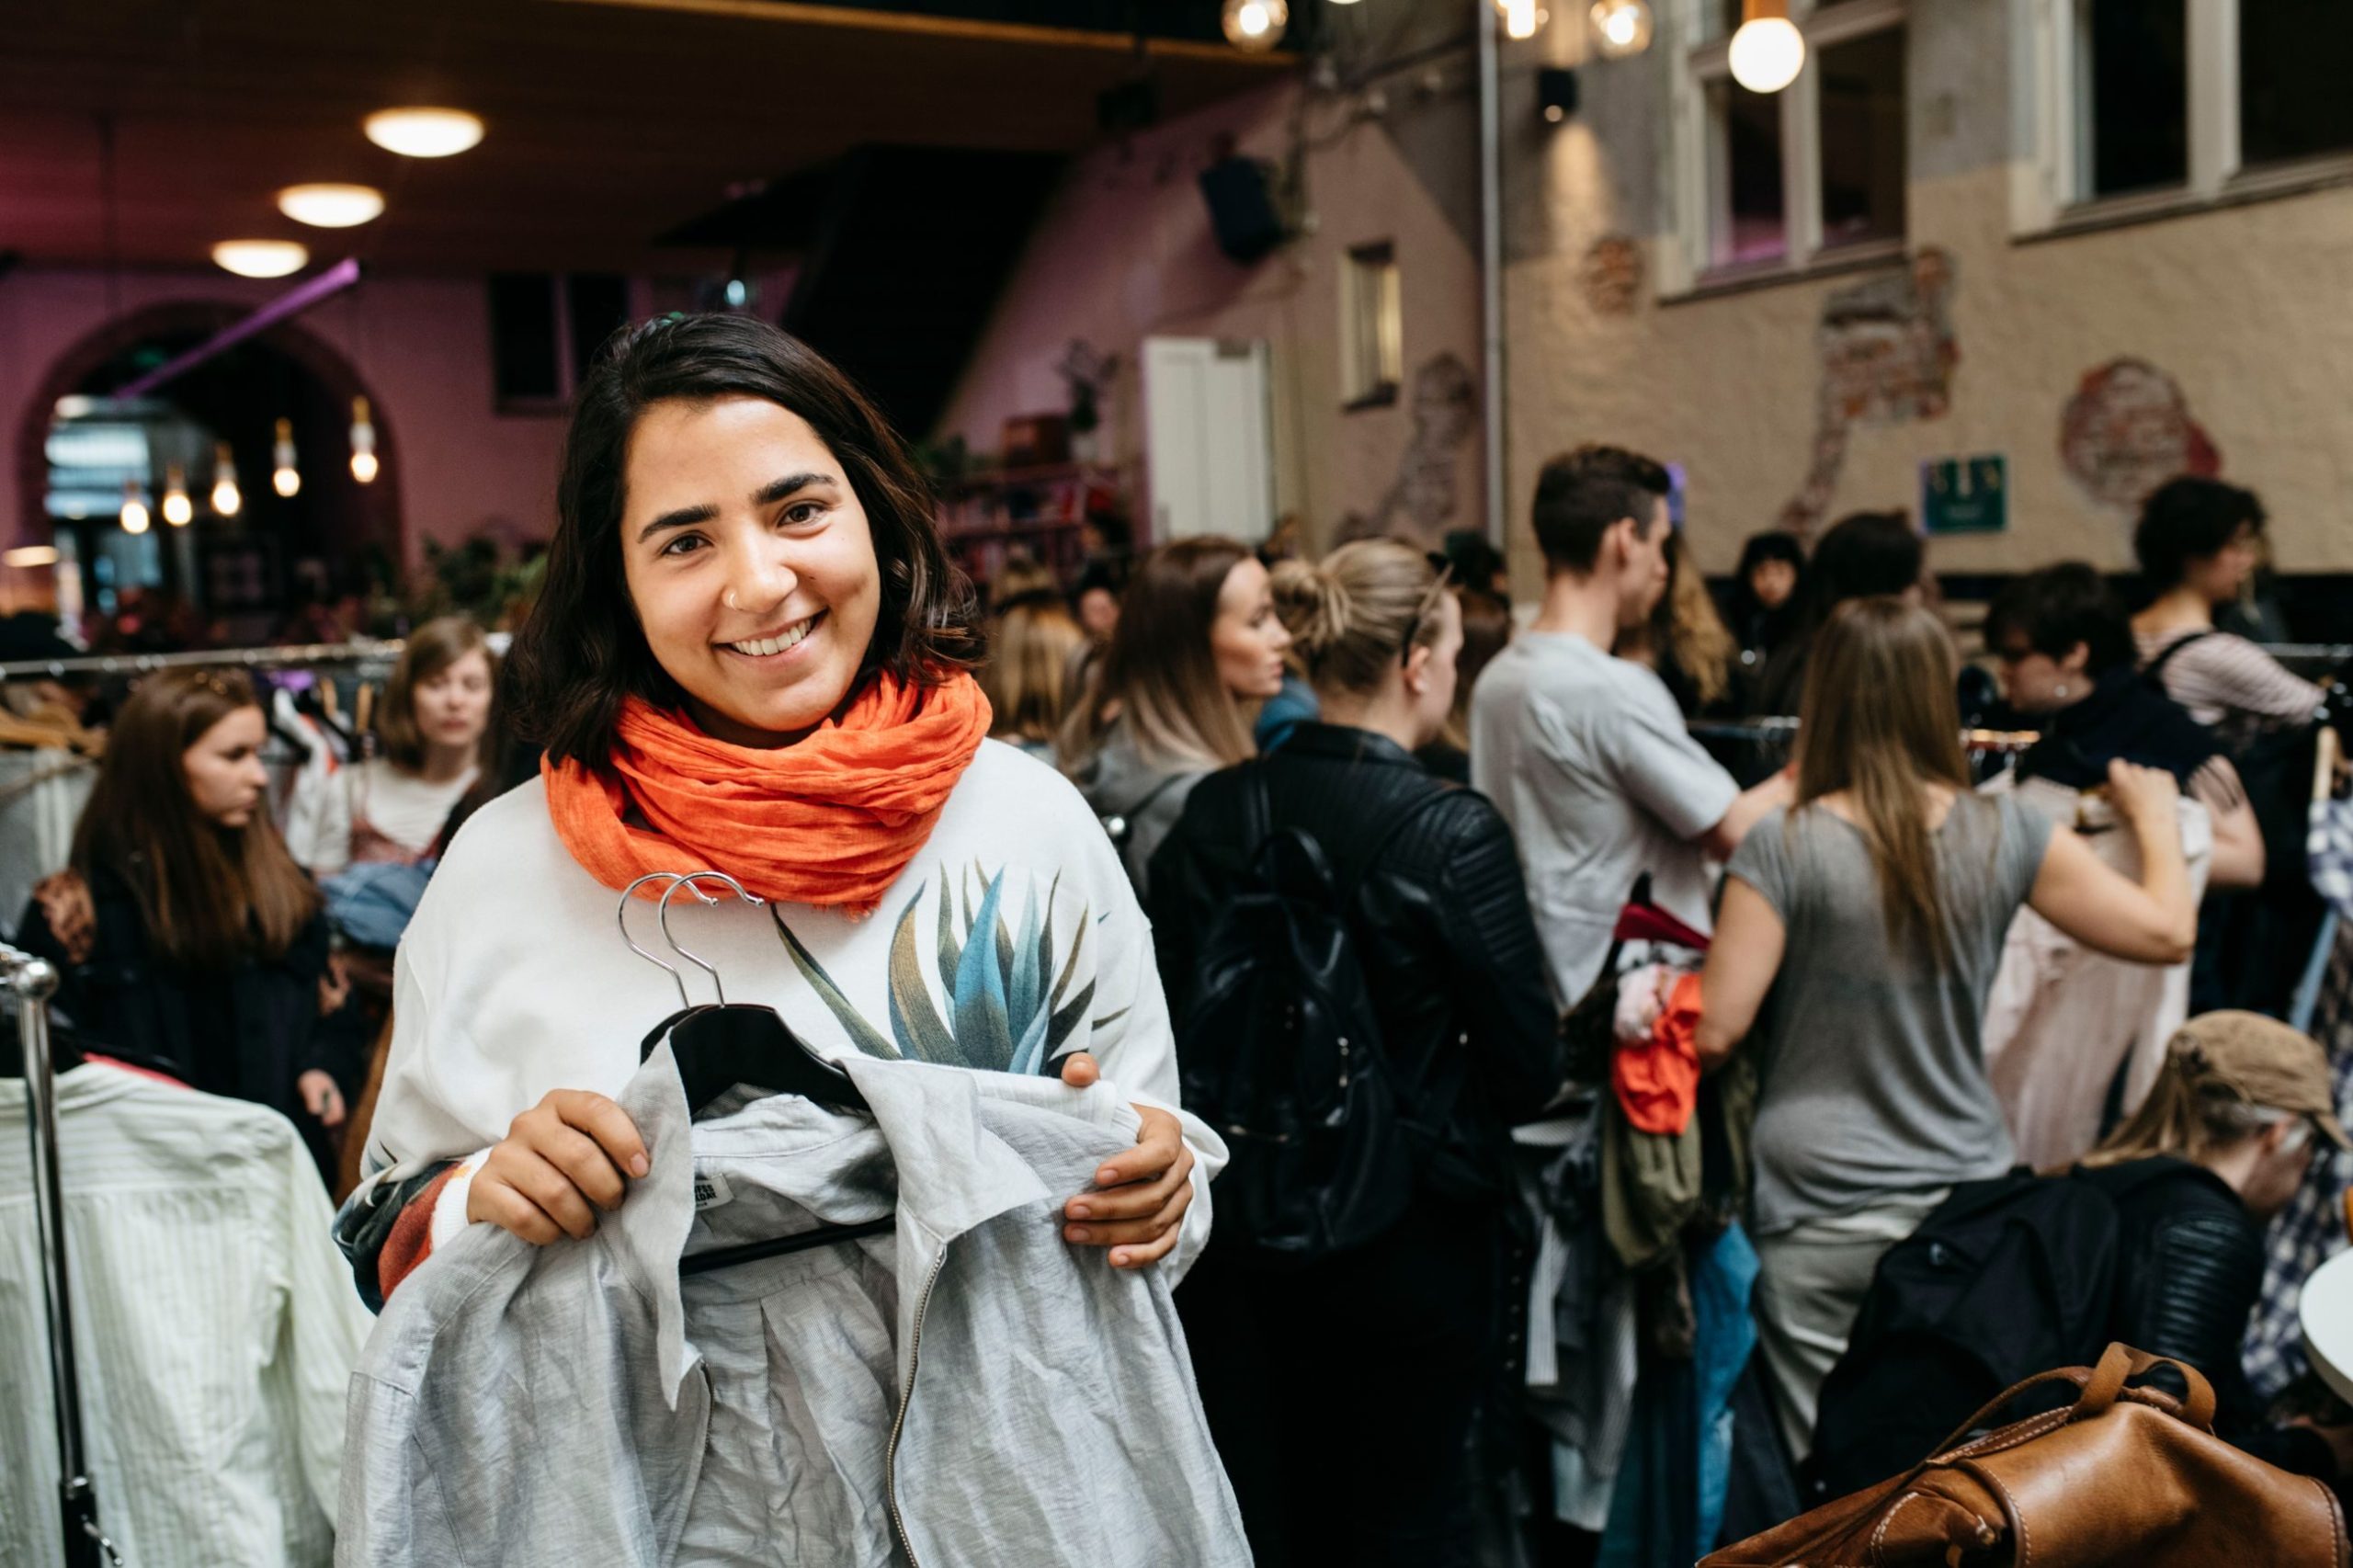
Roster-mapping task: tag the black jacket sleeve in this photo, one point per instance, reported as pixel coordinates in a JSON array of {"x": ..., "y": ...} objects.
[
  {"x": 2199, "y": 1276},
  {"x": 1497, "y": 961}
]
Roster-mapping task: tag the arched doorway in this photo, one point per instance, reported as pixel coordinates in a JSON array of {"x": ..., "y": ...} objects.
[{"x": 245, "y": 576}]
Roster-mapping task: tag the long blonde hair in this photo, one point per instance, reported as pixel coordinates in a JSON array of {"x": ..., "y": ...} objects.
[
  {"x": 1881, "y": 720},
  {"x": 1694, "y": 631},
  {"x": 1032, "y": 646},
  {"x": 1158, "y": 677},
  {"x": 1354, "y": 615}
]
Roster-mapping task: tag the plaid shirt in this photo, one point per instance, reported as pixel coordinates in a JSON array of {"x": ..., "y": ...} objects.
[{"x": 2310, "y": 1230}]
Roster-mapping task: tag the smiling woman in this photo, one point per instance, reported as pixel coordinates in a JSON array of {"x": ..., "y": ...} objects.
[{"x": 751, "y": 656}]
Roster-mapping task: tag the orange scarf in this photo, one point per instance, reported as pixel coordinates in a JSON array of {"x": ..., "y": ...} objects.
[{"x": 830, "y": 821}]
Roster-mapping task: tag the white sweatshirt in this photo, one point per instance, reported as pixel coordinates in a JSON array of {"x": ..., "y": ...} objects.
[{"x": 513, "y": 979}]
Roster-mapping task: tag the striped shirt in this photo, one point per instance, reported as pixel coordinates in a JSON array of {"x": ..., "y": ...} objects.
[
  {"x": 2228, "y": 683},
  {"x": 215, "y": 1328}
]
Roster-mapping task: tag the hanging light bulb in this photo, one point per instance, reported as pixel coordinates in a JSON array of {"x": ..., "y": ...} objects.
[
  {"x": 134, "y": 508},
  {"x": 1521, "y": 19},
  {"x": 1768, "y": 52},
  {"x": 284, "y": 477},
  {"x": 1621, "y": 27},
  {"x": 363, "y": 443},
  {"x": 225, "y": 497},
  {"x": 178, "y": 510},
  {"x": 1256, "y": 25}
]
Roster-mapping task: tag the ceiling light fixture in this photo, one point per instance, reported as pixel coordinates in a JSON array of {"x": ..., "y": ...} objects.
[
  {"x": 332, "y": 206},
  {"x": 226, "y": 499},
  {"x": 27, "y": 556},
  {"x": 1256, "y": 25},
  {"x": 1768, "y": 52},
  {"x": 134, "y": 508},
  {"x": 260, "y": 258},
  {"x": 1621, "y": 27},
  {"x": 178, "y": 510},
  {"x": 285, "y": 478},
  {"x": 363, "y": 443},
  {"x": 423, "y": 133},
  {"x": 1521, "y": 19}
]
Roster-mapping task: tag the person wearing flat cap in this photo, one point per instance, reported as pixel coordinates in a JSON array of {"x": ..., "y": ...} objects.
[{"x": 2218, "y": 1148}]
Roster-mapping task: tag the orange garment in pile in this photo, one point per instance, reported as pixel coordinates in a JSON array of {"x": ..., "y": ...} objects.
[
  {"x": 1657, "y": 1080},
  {"x": 829, "y": 820}
]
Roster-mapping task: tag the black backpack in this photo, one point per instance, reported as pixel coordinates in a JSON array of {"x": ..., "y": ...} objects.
[
  {"x": 1281, "y": 1051},
  {"x": 2010, "y": 1277}
]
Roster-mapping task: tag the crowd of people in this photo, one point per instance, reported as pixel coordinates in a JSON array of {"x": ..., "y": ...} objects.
[{"x": 1334, "y": 847}]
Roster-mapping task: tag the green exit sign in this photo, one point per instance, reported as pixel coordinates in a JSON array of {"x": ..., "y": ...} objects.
[{"x": 1965, "y": 495}]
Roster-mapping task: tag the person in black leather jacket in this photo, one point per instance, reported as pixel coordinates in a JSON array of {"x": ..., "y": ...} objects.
[
  {"x": 1341, "y": 1392},
  {"x": 2220, "y": 1146}
]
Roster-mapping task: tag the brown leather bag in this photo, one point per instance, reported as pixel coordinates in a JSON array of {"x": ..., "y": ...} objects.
[{"x": 2121, "y": 1476}]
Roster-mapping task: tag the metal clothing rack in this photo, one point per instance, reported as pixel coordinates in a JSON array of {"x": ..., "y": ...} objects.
[
  {"x": 308, "y": 655},
  {"x": 1983, "y": 742},
  {"x": 29, "y": 982}
]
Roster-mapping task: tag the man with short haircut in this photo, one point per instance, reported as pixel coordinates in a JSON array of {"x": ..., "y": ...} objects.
[{"x": 1585, "y": 754}]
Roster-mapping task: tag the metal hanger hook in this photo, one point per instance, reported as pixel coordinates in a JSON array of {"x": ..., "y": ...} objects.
[
  {"x": 688, "y": 880},
  {"x": 620, "y": 916}
]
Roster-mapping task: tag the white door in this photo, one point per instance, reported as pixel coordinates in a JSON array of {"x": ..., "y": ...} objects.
[{"x": 1207, "y": 447}]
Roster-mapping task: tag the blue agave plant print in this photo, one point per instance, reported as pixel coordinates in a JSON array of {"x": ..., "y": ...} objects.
[{"x": 1011, "y": 1006}]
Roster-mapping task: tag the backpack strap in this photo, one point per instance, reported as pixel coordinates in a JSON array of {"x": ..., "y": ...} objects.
[{"x": 2155, "y": 667}]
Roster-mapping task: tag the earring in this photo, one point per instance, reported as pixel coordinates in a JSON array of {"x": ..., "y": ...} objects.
[{"x": 2058, "y": 690}]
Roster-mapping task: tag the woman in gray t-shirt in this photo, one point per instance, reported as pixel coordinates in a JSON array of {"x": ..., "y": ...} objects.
[{"x": 1874, "y": 912}]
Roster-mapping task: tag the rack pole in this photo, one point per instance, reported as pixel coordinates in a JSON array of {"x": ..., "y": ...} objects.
[{"x": 30, "y": 983}]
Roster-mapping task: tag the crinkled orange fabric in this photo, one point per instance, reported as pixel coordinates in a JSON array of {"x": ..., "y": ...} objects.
[
  {"x": 830, "y": 820},
  {"x": 1658, "y": 1081}
]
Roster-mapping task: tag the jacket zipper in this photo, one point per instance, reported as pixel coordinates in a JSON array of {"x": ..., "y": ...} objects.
[{"x": 899, "y": 1422}]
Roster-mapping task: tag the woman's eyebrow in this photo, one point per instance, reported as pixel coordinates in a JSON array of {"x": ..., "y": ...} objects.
[
  {"x": 777, "y": 490},
  {"x": 684, "y": 517}
]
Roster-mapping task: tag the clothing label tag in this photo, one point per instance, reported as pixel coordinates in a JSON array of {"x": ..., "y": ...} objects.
[{"x": 711, "y": 1191}]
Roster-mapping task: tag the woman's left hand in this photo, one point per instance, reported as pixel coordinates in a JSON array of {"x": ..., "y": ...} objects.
[{"x": 1141, "y": 1197}]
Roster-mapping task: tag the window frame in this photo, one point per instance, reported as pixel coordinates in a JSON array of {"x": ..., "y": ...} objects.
[
  {"x": 1699, "y": 199},
  {"x": 2048, "y": 195},
  {"x": 1372, "y": 305}
]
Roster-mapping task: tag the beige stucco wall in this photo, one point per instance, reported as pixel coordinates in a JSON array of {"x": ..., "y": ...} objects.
[
  {"x": 1125, "y": 252},
  {"x": 2248, "y": 308}
]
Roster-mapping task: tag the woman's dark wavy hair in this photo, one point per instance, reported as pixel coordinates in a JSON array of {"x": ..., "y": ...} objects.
[{"x": 581, "y": 652}]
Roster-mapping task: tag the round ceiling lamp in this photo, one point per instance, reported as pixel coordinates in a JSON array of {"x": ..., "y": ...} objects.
[
  {"x": 423, "y": 133},
  {"x": 1621, "y": 27},
  {"x": 1768, "y": 52},
  {"x": 259, "y": 259},
  {"x": 1256, "y": 25},
  {"x": 331, "y": 205}
]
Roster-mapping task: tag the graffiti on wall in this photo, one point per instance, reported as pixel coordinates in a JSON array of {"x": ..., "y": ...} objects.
[
  {"x": 1887, "y": 353},
  {"x": 2127, "y": 429},
  {"x": 1613, "y": 276},
  {"x": 1445, "y": 406}
]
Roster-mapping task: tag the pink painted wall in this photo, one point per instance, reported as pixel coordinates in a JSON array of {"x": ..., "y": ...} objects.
[
  {"x": 420, "y": 344},
  {"x": 1125, "y": 252}
]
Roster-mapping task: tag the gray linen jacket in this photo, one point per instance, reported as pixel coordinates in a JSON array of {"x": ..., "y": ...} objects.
[{"x": 967, "y": 1390}]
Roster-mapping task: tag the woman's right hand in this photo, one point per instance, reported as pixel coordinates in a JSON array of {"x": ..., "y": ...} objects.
[
  {"x": 2144, "y": 797},
  {"x": 561, "y": 1156}
]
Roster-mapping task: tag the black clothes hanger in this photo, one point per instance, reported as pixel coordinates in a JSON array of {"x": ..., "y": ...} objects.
[{"x": 720, "y": 1046}]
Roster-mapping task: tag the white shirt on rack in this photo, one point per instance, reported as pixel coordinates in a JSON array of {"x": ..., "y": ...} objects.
[{"x": 215, "y": 1328}]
